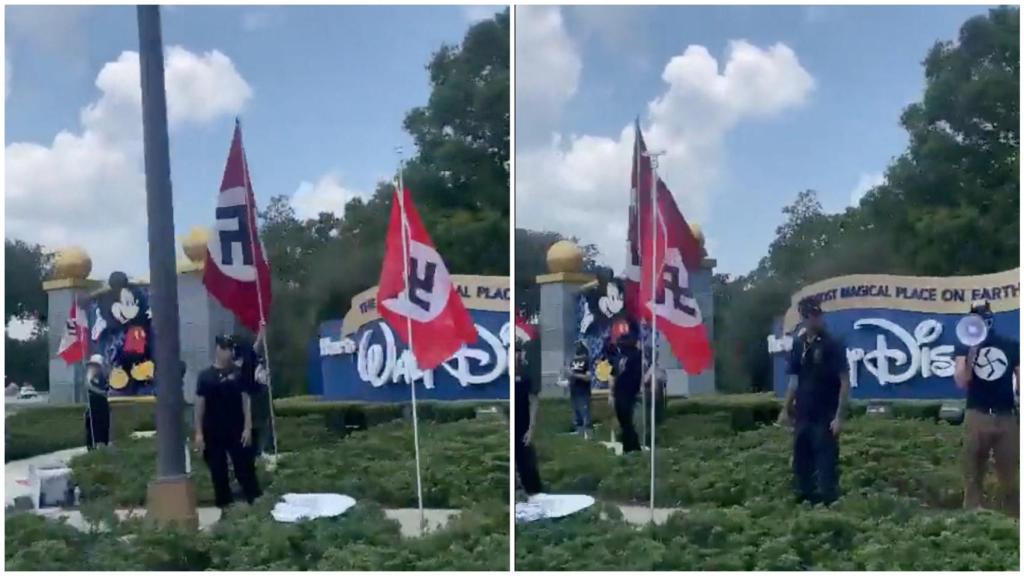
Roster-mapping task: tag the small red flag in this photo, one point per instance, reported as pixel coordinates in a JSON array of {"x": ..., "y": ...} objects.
[
  {"x": 237, "y": 273},
  {"x": 671, "y": 254},
  {"x": 440, "y": 322},
  {"x": 525, "y": 331},
  {"x": 74, "y": 341}
]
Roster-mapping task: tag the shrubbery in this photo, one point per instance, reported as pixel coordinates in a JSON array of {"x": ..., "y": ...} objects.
[
  {"x": 248, "y": 539},
  {"x": 900, "y": 478},
  {"x": 40, "y": 430}
]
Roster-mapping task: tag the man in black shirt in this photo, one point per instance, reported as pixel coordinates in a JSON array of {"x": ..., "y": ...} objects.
[
  {"x": 991, "y": 424},
  {"x": 224, "y": 425},
  {"x": 627, "y": 374},
  {"x": 526, "y": 421},
  {"x": 249, "y": 361},
  {"x": 579, "y": 389},
  {"x": 819, "y": 384},
  {"x": 97, "y": 416}
]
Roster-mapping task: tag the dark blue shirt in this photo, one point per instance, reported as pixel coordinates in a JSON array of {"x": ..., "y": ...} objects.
[
  {"x": 991, "y": 386},
  {"x": 818, "y": 363},
  {"x": 628, "y": 371}
]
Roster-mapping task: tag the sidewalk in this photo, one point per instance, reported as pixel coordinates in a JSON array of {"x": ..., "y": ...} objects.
[
  {"x": 407, "y": 518},
  {"x": 16, "y": 484}
]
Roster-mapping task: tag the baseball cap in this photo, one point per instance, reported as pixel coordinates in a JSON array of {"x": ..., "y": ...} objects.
[
  {"x": 981, "y": 308},
  {"x": 808, "y": 307},
  {"x": 225, "y": 341}
]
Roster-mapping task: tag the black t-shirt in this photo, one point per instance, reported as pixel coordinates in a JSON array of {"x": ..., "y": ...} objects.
[
  {"x": 818, "y": 362},
  {"x": 580, "y": 366},
  {"x": 525, "y": 387},
  {"x": 224, "y": 417},
  {"x": 628, "y": 372},
  {"x": 991, "y": 386}
]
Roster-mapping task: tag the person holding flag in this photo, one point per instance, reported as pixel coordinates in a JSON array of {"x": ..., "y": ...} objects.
[
  {"x": 97, "y": 416},
  {"x": 237, "y": 273}
]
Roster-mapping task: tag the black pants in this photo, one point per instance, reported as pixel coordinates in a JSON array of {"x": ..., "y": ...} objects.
[
  {"x": 243, "y": 460},
  {"x": 815, "y": 462},
  {"x": 526, "y": 462},
  {"x": 624, "y": 408},
  {"x": 97, "y": 422}
]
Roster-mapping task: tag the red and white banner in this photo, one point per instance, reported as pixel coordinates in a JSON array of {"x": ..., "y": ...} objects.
[
  {"x": 525, "y": 332},
  {"x": 237, "y": 273},
  {"x": 75, "y": 340},
  {"x": 668, "y": 252},
  {"x": 440, "y": 322}
]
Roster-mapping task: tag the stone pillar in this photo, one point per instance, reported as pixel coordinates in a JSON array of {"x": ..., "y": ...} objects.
[
  {"x": 71, "y": 268},
  {"x": 202, "y": 317},
  {"x": 558, "y": 293}
]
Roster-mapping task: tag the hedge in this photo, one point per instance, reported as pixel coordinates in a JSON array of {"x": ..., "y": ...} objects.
[
  {"x": 248, "y": 539},
  {"x": 45, "y": 429},
  {"x": 463, "y": 463}
]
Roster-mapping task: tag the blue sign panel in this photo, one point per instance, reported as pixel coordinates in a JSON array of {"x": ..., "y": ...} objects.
[
  {"x": 370, "y": 365},
  {"x": 899, "y": 335}
]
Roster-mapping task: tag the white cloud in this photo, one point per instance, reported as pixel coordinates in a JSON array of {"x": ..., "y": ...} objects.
[
  {"x": 547, "y": 68},
  {"x": 865, "y": 183},
  {"x": 579, "y": 185},
  {"x": 326, "y": 195},
  {"x": 87, "y": 187},
  {"x": 476, "y": 12}
]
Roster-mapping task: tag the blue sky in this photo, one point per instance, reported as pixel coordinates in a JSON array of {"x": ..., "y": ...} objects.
[
  {"x": 812, "y": 100},
  {"x": 322, "y": 92}
]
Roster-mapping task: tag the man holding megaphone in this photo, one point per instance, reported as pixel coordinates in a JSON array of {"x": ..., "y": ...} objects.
[{"x": 986, "y": 365}]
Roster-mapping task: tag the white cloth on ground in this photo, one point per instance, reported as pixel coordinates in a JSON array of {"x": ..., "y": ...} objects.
[
  {"x": 295, "y": 507},
  {"x": 541, "y": 506}
]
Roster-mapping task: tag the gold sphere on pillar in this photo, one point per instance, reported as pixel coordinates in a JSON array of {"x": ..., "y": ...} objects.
[
  {"x": 565, "y": 256},
  {"x": 72, "y": 263},
  {"x": 194, "y": 244},
  {"x": 698, "y": 233}
]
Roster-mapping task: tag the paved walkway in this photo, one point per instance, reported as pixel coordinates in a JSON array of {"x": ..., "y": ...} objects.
[
  {"x": 407, "y": 518},
  {"x": 16, "y": 484}
]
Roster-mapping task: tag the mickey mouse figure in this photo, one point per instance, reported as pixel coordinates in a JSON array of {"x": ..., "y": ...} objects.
[{"x": 125, "y": 315}]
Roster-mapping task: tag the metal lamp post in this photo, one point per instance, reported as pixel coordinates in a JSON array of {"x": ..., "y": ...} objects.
[{"x": 171, "y": 496}]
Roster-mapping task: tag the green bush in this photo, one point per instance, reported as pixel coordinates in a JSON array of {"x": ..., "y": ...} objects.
[
  {"x": 45, "y": 429},
  {"x": 248, "y": 539},
  {"x": 880, "y": 532},
  {"x": 463, "y": 462}
]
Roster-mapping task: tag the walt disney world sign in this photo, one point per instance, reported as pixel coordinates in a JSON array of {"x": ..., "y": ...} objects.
[
  {"x": 899, "y": 331},
  {"x": 362, "y": 359}
]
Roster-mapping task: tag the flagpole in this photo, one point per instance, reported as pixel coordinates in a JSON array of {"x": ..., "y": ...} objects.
[
  {"x": 85, "y": 374},
  {"x": 264, "y": 328},
  {"x": 408, "y": 328},
  {"x": 636, "y": 218},
  {"x": 654, "y": 313}
]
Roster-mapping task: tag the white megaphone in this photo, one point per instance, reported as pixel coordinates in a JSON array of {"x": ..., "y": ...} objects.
[{"x": 971, "y": 330}]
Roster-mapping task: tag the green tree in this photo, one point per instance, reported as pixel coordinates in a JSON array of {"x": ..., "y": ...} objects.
[
  {"x": 954, "y": 195},
  {"x": 26, "y": 266},
  {"x": 458, "y": 178}
]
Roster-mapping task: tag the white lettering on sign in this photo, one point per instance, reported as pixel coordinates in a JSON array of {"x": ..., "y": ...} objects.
[
  {"x": 380, "y": 364},
  {"x": 914, "y": 356}
]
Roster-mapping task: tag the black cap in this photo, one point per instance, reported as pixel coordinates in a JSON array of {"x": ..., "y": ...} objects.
[
  {"x": 808, "y": 307},
  {"x": 981, "y": 308},
  {"x": 225, "y": 341}
]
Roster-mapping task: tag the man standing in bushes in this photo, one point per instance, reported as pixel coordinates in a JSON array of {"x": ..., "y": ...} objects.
[
  {"x": 97, "y": 416},
  {"x": 224, "y": 424},
  {"x": 526, "y": 398},
  {"x": 579, "y": 389},
  {"x": 991, "y": 425},
  {"x": 819, "y": 384},
  {"x": 627, "y": 375}
]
